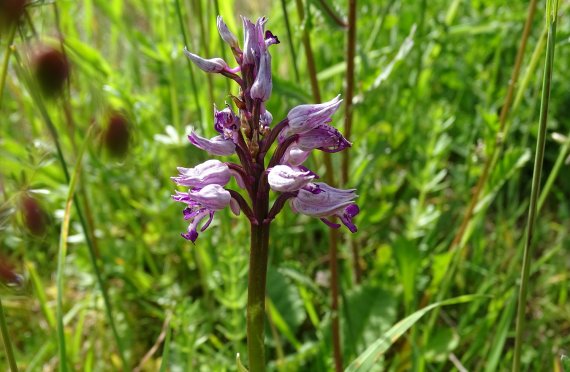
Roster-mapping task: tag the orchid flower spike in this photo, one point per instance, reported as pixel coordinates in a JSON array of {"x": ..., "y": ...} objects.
[{"x": 244, "y": 132}]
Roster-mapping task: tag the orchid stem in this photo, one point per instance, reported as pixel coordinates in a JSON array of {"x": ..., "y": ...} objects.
[
  {"x": 535, "y": 190},
  {"x": 258, "y": 258}
]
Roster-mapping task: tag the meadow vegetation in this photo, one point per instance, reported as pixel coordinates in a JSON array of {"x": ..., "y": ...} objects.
[{"x": 88, "y": 145}]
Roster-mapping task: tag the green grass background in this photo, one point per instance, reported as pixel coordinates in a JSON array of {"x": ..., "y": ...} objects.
[{"x": 424, "y": 123}]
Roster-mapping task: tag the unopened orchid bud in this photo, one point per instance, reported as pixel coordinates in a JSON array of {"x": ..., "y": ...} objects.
[
  {"x": 261, "y": 88},
  {"x": 226, "y": 34}
]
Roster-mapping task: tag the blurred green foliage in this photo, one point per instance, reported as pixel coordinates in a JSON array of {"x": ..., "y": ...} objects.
[{"x": 430, "y": 80}]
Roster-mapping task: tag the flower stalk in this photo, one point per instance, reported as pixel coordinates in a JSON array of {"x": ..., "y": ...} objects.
[{"x": 248, "y": 135}]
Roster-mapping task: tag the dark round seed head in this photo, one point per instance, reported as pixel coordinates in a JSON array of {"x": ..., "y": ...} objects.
[
  {"x": 117, "y": 135},
  {"x": 51, "y": 70},
  {"x": 10, "y": 12},
  {"x": 34, "y": 217}
]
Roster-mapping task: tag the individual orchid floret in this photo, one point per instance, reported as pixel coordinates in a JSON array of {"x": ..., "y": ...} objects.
[
  {"x": 303, "y": 118},
  {"x": 324, "y": 137},
  {"x": 210, "y": 172},
  {"x": 226, "y": 34},
  {"x": 208, "y": 65},
  {"x": 284, "y": 178},
  {"x": 200, "y": 204},
  {"x": 294, "y": 156},
  {"x": 226, "y": 123},
  {"x": 261, "y": 88},
  {"x": 328, "y": 202},
  {"x": 215, "y": 146}
]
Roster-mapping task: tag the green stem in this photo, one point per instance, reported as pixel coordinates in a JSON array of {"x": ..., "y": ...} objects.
[
  {"x": 7, "y": 340},
  {"x": 63, "y": 252},
  {"x": 554, "y": 172},
  {"x": 192, "y": 78},
  {"x": 6, "y": 62},
  {"x": 258, "y": 259},
  {"x": 290, "y": 41},
  {"x": 535, "y": 189}
]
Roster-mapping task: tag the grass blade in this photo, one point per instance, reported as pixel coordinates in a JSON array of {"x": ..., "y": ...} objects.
[
  {"x": 7, "y": 340},
  {"x": 552, "y": 16},
  {"x": 370, "y": 356},
  {"x": 62, "y": 254}
]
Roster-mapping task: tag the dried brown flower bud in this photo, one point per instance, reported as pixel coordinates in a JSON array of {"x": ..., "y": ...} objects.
[
  {"x": 10, "y": 12},
  {"x": 51, "y": 69},
  {"x": 33, "y": 215},
  {"x": 117, "y": 135},
  {"x": 7, "y": 273}
]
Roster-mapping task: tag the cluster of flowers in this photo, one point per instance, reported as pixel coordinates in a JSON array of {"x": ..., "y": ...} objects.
[{"x": 249, "y": 135}]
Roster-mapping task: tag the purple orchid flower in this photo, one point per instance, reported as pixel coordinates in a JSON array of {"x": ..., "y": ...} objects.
[
  {"x": 202, "y": 203},
  {"x": 210, "y": 172},
  {"x": 226, "y": 123},
  {"x": 328, "y": 202},
  {"x": 284, "y": 178},
  {"x": 248, "y": 134},
  {"x": 208, "y": 65},
  {"x": 324, "y": 137},
  {"x": 215, "y": 146}
]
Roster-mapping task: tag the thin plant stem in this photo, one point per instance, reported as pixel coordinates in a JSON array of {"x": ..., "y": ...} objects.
[
  {"x": 290, "y": 41},
  {"x": 348, "y": 113},
  {"x": 535, "y": 189},
  {"x": 7, "y": 340},
  {"x": 333, "y": 234},
  {"x": 38, "y": 100},
  {"x": 192, "y": 77},
  {"x": 222, "y": 44},
  {"x": 6, "y": 61},
  {"x": 205, "y": 46},
  {"x": 332, "y": 14},
  {"x": 62, "y": 254},
  {"x": 459, "y": 240},
  {"x": 554, "y": 172},
  {"x": 499, "y": 139}
]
